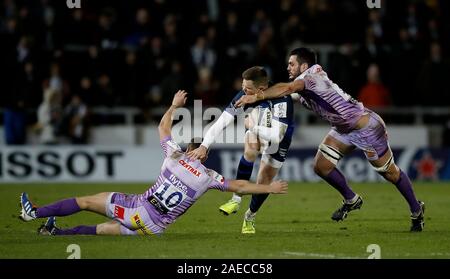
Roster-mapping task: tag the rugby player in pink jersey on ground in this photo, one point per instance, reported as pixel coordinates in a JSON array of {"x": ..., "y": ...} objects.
[{"x": 180, "y": 184}]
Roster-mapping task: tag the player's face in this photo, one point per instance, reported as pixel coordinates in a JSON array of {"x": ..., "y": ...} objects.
[
  {"x": 293, "y": 67},
  {"x": 248, "y": 87}
]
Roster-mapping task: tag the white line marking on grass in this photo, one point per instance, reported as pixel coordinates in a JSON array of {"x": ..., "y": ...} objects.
[
  {"x": 333, "y": 256},
  {"x": 440, "y": 254},
  {"x": 316, "y": 255}
]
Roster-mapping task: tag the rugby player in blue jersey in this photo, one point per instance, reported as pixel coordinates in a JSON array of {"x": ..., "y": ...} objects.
[{"x": 270, "y": 129}]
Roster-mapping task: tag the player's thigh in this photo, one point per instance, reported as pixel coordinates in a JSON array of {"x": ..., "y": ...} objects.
[
  {"x": 273, "y": 158},
  {"x": 373, "y": 141},
  {"x": 266, "y": 173},
  {"x": 131, "y": 212},
  {"x": 95, "y": 203},
  {"x": 109, "y": 228},
  {"x": 337, "y": 142}
]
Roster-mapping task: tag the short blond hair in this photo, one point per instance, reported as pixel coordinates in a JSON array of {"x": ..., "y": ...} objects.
[{"x": 257, "y": 74}]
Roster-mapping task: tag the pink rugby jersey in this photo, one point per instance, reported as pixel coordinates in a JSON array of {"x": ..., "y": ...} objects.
[{"x": 180, "y": 183}]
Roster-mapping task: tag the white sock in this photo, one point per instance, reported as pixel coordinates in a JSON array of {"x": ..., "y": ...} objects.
[
  {"x": 249, "y": 215},
  {"x": 236, "y": 198}
]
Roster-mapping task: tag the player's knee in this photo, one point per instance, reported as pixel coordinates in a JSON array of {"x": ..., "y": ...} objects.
[
  {"x": 389, "y": 170},
  {"x": 388, "y": 176},
  {"x": 317, "y": 169},
  {"x": 101, "y": 229},
  {"x": 111, "y": 228},
  {"x": 392, "y": 175},
  {"x": 250, "y": 154},
  {"x": 326, "y": 159},
  {"x": 322, "y": 168},
  {"x": 83, "y": 202}
]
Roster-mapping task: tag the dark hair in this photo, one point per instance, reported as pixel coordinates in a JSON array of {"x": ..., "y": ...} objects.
[
  {"x": 256, "y": 74},
  {"x": 305, "y": 55},
  {"x": 195, "y": 143}
]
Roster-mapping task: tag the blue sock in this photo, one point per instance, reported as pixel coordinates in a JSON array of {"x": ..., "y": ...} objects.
[
  {"x": 257, "y": 201},
  {"x": 244, "y": 172},
  {"x": 245, "y": 169}
]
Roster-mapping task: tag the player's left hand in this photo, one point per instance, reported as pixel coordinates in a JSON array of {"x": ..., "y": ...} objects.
[
  {"x": 179, "y": 99},
  {"x": 246, "y": 99},
  {"x": 279, "y": 187},
  {"x": 198, "y": 153}
]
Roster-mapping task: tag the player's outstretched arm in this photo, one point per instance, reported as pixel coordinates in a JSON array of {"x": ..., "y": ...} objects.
[
  {"x": 244, "y": 187},
  {"x": 165, "y": 125},
  {"x": 213, "y": 132},
  {"x": 276, "y": 91}
]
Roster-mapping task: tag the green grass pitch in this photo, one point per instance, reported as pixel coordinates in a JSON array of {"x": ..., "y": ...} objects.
[{"x": 296, "y": 225}]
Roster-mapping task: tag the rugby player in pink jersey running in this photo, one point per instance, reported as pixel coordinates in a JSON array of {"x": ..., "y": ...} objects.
[
  {"x": 353, "y": 126},
  {"x": 180, "y": 184}
]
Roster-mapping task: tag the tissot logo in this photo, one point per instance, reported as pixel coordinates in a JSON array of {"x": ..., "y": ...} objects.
[
  {"x": 374, "y": 4},
  {"x": 73, "y": 4},
  {"x": 53, "y": 164}
]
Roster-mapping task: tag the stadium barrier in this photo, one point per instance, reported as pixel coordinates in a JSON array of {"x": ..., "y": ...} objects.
[
  {"x": 304, "y": 136},
  {"x": 42, "y": 164}
]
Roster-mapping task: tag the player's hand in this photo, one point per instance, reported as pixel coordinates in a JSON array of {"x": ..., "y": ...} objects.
[
  {"x": 198, "y": 153},
  {"x": 279, "y": 187},
  {"x": 179, "y": 99},
  {"x": 246, "y": 99}
]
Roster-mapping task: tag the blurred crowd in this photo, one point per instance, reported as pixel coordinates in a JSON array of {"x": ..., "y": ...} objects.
[{"x": 60, "y": 62}]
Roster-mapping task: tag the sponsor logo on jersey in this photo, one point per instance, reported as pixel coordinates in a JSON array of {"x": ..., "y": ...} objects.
[
  {"x": 280, "y": 110},
  {"x": 177, "y": 183},
  {"x": 283, "y": 152},
  {"x": 157, "y": 204},
  {"x": 219, "y": 178},
  {"x": 139, "y": 225},
  {"x": 119, "y": 212},
  {"x": 191, "y": 169},
  {"x": 216, "y": 176},
  {"x": 268, "y": 118}
]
